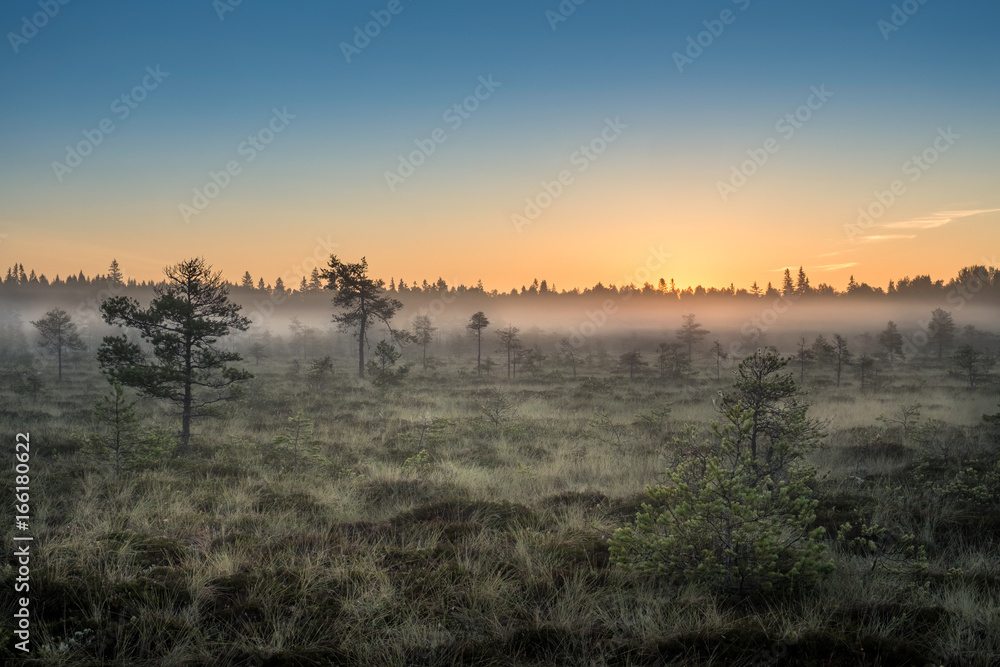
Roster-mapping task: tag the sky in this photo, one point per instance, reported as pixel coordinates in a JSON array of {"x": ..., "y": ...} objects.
[{"x": 712, "y": 142}]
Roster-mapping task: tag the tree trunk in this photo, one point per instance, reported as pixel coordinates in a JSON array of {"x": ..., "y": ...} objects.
[
  {"x": 186, "y": 408},
  {"x": 479, "y": 351},
  {"x": 59, "y": 358},
  {"x": 186, "y": 421},
  {"x": 361, "y": 350}
]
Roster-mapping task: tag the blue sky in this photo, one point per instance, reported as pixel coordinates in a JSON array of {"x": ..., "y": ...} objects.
[{"x": 326, "y": 173}]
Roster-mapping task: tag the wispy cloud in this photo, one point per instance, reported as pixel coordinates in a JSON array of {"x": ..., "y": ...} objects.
[
  {"x": 924, "y": 223},
  {"x": 939, "y": 219},
  {"x": 835, "y": 253},
  {"x": 875, "y": 238},
  {"x": 968, "y": 212},
  {"x": 834, "y": 267}
]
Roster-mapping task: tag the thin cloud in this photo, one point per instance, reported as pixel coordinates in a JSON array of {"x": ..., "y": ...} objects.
[
  {"x": 834, "y": 267},
  {"x": 968, "y": 213},
  {"x": 886, "y": 237},
  {"x": 925, "y": 223},
  {"x": 939, "y": 219},
  {"x": 837, "y": 252}
]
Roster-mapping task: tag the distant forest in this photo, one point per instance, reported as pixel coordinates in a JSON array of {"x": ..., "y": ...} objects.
[{"x": 978, "y": 280}]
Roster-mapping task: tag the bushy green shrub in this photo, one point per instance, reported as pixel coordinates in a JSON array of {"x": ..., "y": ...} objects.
[
  {"x": 420, "y": 463},
  {"x": 735, "y": 516},
  {"x": 120, "y": 439},
  {"x": 294, "y": 439},
  {"x": 723, "y": 526},
  {"x": 381, "y": 370},
  {"x": 497, "y": 407}
]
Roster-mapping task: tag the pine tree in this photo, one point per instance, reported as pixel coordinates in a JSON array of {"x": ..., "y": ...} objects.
[
  {"x": 423, "y": 334},
  {"x": 736, "y": 515},
  {"x": 787, "y": 286},
  {"x": 720, "y": 354},
  {"x": 315, "y": 282},
  {"x": 892, "y": 341},
  {"x": 841, "y": 354},
  {"x": 509, "y": 344},
  {"x": 690, "y": 332},
  {"x": 189, "y": 313},
  {"x": 802, "y": 284},
  {"x": 941, "y": 330},
  {"x": 115, "y": 277},
  {"x": 121, "y": 441},
  {"x": 632, "y": 362},
  {"x": 362, "y": 301},
  {"x": 476, "y": 324},
  {"x": 58, "y": 333}
]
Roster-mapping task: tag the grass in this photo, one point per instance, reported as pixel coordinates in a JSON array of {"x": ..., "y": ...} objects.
[{"x": 413, "y": 528}]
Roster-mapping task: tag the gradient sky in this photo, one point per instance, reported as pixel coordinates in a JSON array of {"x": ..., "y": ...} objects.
[{"x": 656, "y": 186}]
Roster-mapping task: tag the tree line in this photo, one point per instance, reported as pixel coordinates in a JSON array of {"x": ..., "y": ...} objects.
[
  {"x": 975, "y": 280},
  {"x": 179, "y": 354}
]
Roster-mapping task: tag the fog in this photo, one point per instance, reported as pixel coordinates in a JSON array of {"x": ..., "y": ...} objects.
[{"x": 607, "y": 320}]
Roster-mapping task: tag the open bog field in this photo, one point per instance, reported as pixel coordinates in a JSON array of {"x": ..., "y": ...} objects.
[
  {"x": 500, "y": 334},
  {"x": 463, "y": 520}
]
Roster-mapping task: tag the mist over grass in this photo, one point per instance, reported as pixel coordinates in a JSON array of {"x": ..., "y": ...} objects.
[{"x": 456, "y": 518}]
